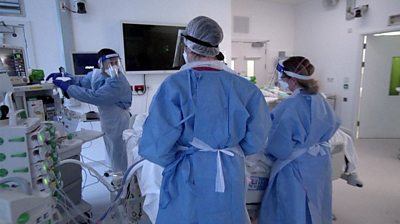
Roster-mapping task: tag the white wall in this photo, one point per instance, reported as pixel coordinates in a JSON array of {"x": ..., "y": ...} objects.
[
  {"x": 101, "y": 27},
  {"x": 268, "y": 21},
  {"x": 334, "y": 46},
  {"x": 42, "y": 28},
  {"x": 377, "y": 118}
]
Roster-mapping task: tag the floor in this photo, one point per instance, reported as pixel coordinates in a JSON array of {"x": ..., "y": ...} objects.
[
  {"x": 98, "y": 195},
  {"x": 95, "y": 193},
  {"x": 378, "y": 202}
]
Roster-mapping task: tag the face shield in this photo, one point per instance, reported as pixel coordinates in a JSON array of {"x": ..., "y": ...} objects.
[
  {"x": 111, "y": 65},
  {"x": 279, "y": 71}
]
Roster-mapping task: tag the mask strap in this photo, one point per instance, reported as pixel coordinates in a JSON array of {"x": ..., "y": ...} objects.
[{"x": 197, "y": 41}]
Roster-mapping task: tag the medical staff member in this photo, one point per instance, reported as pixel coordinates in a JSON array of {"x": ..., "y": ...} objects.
[
  {"x": 110, "y": 91},
  {"x": 300, "y": 187},
  {"x": 202, "y": 122}
]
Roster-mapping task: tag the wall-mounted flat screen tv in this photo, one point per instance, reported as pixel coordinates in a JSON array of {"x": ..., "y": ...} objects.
[
  {"x": 152, "y": 47},
  {"x": 84, "y": 62}
]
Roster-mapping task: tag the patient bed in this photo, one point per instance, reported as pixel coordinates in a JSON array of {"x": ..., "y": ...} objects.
[{"x": 257, "y": 170}]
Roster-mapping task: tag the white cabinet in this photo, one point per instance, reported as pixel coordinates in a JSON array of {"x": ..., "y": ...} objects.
[{"x": 40, "y": 100}]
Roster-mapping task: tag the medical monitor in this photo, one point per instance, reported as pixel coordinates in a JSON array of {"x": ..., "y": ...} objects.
[
  {"x": 151, "y": 47},
  {"x": 13, "y": 61},
  {"x": 84, "y": 62}
]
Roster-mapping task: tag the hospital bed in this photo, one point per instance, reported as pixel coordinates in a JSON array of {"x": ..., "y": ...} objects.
[{"x": 257, "y": 171}]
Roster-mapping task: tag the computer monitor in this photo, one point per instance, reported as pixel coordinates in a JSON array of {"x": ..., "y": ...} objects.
[
  {"x": 13, "y": 60},
  {"x": 84, "y": 62},
  {"x": 13, "y": 63}
]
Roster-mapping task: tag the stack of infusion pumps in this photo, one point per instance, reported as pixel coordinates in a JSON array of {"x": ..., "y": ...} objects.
[{"x": 28, "y": 176}]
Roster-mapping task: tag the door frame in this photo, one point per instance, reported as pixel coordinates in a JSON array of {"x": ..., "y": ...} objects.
[
  {"x": 359, "y": 77},
  {"x": 251, "y": 41}
]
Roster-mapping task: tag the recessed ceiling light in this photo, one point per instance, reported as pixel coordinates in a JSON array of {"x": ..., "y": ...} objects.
[{"x": 393, "y": 33}]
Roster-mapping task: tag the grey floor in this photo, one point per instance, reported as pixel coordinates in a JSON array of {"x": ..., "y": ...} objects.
[
  {"x": 95, "y": 193},
  {"x": 378, "y": 202}
]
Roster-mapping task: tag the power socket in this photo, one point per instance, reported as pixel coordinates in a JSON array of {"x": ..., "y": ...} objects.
[{"x": 138, "y": 88}]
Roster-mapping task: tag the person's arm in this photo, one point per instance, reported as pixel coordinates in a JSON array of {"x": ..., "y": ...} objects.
[
  {"x": 162, "y": 127},
  {"x": 258, "y": 125},
  {"x": 108, "y": 94},
  {"x": 82, "y": 81}
]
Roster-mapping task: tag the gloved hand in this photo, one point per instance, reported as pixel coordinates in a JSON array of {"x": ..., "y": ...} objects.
[
  {"x": 64, "y": 85},
  {"x": 53, "y": 76},
  {"x": 56, "y": 75}
]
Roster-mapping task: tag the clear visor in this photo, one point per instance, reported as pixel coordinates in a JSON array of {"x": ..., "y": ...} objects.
[
  {"x": 279, "y": 70},
  {"x": 112, "y": 65}
]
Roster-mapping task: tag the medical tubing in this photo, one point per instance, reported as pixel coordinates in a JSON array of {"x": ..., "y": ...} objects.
[
  {"x": 99, "y": 177},
  {"x": 136, "y": 165},
  {"x": 128, "y": 176},
  {"x": 93, "y": 183},
  {"x": 72, "y": 205},
  {"x": 97, "y": 162},
  {"x": 84, "y": 182},
  {"x": 72, "y": 218}
]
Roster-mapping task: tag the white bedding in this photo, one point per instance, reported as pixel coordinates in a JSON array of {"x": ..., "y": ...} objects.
[{"x": 150, "y": 185}]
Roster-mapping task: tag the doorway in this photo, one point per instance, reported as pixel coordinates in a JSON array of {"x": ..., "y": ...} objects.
[
  {"x": 249, "y": 59},
  {"x": 379, "y": 104}
]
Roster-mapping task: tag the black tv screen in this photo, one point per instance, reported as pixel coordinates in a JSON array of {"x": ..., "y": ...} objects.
[
  {"x": 84, "y": 62},
  {"x": 152, "y": 47}
]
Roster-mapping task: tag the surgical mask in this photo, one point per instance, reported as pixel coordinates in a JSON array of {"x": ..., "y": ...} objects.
[
  {"x": 185, "y": 56},
  {"x": 284, "y": 86}
]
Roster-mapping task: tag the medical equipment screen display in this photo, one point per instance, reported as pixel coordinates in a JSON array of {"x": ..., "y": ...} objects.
[
  {"x": 84, "y": 62},
  {"x": 12, "y": 60},
  {"x": 150, "y": 47}
]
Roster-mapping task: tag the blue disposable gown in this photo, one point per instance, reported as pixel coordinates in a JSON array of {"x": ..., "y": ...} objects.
[
  {"x": 301, "y": 190},
  {"x": 221, "y": 109},
  {"x": 113, "y": 97}
]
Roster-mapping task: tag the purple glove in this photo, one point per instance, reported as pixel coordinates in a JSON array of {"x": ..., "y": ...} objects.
[
  {"x": 64, "y": 85},
  {"x": 53, "y": 76}
]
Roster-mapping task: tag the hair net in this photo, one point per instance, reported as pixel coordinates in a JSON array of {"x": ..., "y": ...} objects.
[{"x": 203, "y": 35}]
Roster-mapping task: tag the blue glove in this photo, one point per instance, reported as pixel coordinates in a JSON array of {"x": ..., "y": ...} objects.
[
  {"x": 64, "y": 85},
  {"x": 53, "y": 76}
]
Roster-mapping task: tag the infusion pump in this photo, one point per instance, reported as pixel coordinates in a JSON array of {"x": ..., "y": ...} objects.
[{"x": 28, "y": 175}]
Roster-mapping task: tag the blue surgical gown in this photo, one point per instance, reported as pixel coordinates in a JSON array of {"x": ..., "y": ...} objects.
[
  {"x": 301, "y": 191},
  {"x": 113, "y": 97},
  {"x": 221, "y": 109}
]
